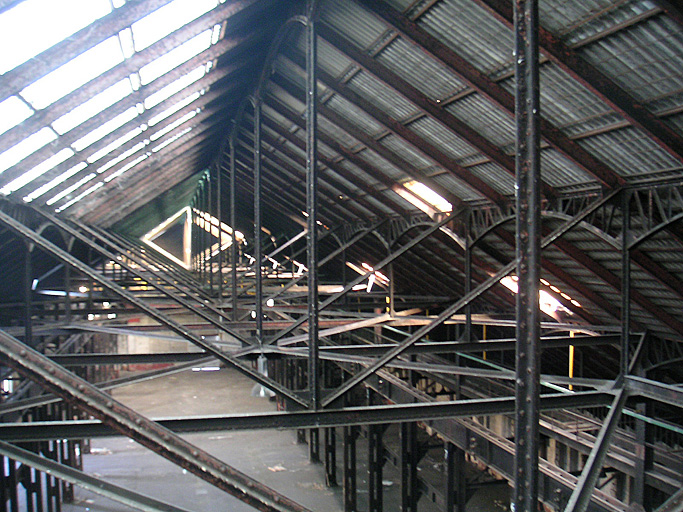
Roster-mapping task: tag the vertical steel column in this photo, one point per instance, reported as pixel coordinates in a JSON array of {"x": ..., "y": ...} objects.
[
  {"x": 257, "y": 221},
  {"x": 456, "y": 484},
  {"x": 233, "y": 224},
  {"x": 209, "y": 235},
  {"x": 468, "y": 277},
  {"x": 330, "y": 456},
  {"x": 625, "y": 282},
  {"x": 350, "y": 498},
  {"x": 28, "y": 294},
  {"x": 409, "y": 460},
  {"x": 375, "y": 466},
  {"x": 219, "y": 214},
  {"x": 528, "y": 255},
  {"x": 312, "y": 235},
  {"x": 67, "y": 296},
  {"x": 641, "y": 492}
]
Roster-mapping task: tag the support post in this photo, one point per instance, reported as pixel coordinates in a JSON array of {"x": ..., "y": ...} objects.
[
  {"x": 67, "y": 296},
  {"x": 257, "y": 222},
  {"x": 312, "y": 235},
  {"x": 456, "y": 483},
  {"x": 375, "y": 467},
  {"x": 528, "y": 256},
  {"x": 209, "y": 234},
  {"x": 349, "y": 441},
  {"x": 409, "y": 460},
  {"x": 233, "y": 223},
  {"x": 331, "y": 456},
  {"x": 625, "y": 283},
  {"x": 219, "y": 215},
  {"x": 28, "y": 295}
]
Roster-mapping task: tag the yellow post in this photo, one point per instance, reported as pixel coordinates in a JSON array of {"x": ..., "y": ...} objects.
[
  {"x": 571, "y": 360},
  {"x": 483, "y": 335}
]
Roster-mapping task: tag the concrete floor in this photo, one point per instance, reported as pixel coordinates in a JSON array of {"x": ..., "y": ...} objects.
[{"x": 272, "y": 457}]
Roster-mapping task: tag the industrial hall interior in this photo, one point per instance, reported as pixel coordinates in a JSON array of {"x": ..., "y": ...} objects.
[{"x": 341, "y": 255}]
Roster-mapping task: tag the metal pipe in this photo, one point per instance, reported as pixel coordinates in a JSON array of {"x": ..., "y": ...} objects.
[
  {"x": 126, "y": 421},
  {"x": 625, "y": 282},
  {"x": 528, "y": 252}
]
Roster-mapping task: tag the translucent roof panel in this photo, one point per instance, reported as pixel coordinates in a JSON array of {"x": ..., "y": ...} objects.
[
  {"x": 173, "y": 125},
  {"x": 55, "y": 182},
  {"x": 73, "y": 74},
  {"x": 70, "y": 189},
  {"x": 175, "y": 57},
  {"x": 12, "y": 112},
  {"x": 114, "y": 145},
  {"x": 93, "y": 106},
  {"x": 37, "y": 171},
  {"x": 174, "y": 108},
  {"x": 26, "y": 147},
  {"x": 105, "y": 129},
  {"x": 53, "y": 21},
  {"x": 174, "y": 87},
  {"x": 165, "y": 20}
]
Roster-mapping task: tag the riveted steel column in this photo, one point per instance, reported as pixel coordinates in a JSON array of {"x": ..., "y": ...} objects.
[
  {"x": 375, "y": 467},
  {"x": 468, "y": 277},
  {"x": 67, "y": 296},
  {"x": 28, "y": 294},
  {"x": 219, "y": 214},
  {"x": 312, "y": 235},
  {"x": 625, "y": 282},
  {"x": 409, "y": 460},
  {"x": 209, "y": 234},
  {"x": 528, "y": 256},
  {"x": 233, "y": 223},
  {"x": 349, "y": 441},
  {"x": 456, "y": 484},
  {"x": 331, "y": 456},
  {"x": 257, "y": 221}
]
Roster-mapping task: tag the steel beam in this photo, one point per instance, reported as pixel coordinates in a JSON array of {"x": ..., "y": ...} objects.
[
  {"x": 86, "y": 481},
  {"x": 674, "y": 503},
  {"x": 348, "y": 416},
  {"x": 125, "y": 421},
  {"x": 64, "y": 256},
  {"x": 581, "y": 497},
  {"x": 464, "y": 301}
]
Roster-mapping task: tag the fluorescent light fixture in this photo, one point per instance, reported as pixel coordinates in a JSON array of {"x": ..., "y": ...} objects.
[
  {"x": 114, "y": 145},
  {"x": 175, "y": 57},
  {"x": 37, "y": 171},
  {"x": 173, "y": 109},
  {"x": 73, "y": 187},
  {"x": 93, "y": 106},
  {"x": 55, "y": 182},
  {"x": 75, "y": 73},
  {"x": 33, "y": 26},
  {"x": 173, "y": 125},
  {"x": 168, "y": 18},
  {"x": 26, "y": 147},
  {"x": 175, "y": 86},
  {"x": 12, "y": 112},
  {"x": 105, "y": 129},
  {"x": 79, "y": 197}
]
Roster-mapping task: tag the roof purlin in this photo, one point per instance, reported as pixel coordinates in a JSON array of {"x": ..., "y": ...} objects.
[
  {"x": 494, "y": 92},
  {"x": 596, "y": 81},
  {"x": 410, "y": 137}
]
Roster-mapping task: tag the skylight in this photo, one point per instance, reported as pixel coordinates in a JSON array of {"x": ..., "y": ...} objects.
[
  {"x": 12, "y": 112},
  {"x": 73, "y": 74},
  {"x": 547, "y": 303},
  {"x": 26, "y": 147},
  {"x": 111, "y": 163},
  {"x": 93, "y": 106},
  {"x": 429, "y": 196},
  {"x": 173, "y": 125},
  {"x": 126, "y": 168},
  {"x": 56, "y": 181},
  {"x": 165, "y": 20},
  {"x": 114, "y": 145},
  {"x": 79, "y": 197},
  {"x": 174, "y": 87},
  {"x": 37, "y": 171},
  {"x": 171, "y": 140},
  {"x": 53, "y": 21},
  {"x": 105, "y": 129},
  {"x": 174, "y": 108},
  {"x": 175, "y": 57},
  {"x": 68, "y": 191}
]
